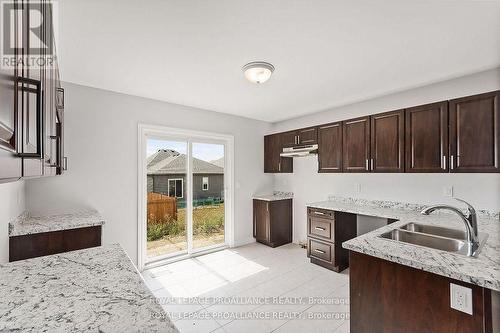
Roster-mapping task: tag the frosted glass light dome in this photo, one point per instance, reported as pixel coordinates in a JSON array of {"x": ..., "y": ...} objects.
[{"x": 258, "y": 71}]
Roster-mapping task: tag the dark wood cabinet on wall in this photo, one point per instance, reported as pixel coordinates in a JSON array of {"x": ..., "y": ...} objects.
[
  {"x": 273, "y": 162},
  {"x": 460, "y": 135},
  {"x": 272, "y": 222},
  {"x": 387, "y": 136},
  {"x": 305, "y": 136},
  {"x": 330, "y": 148},
  {"x": 356, "y": 145},
  {"x": 427, "y": 138},
  {"x": 31, "y": 125},
  {"x": 475, "y": 133}
]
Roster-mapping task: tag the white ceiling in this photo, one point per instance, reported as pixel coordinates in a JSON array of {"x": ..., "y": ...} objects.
[{"x": 326, "y": 53}]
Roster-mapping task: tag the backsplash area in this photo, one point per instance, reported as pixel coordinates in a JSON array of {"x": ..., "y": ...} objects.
[{"x": 481, "y": 190}]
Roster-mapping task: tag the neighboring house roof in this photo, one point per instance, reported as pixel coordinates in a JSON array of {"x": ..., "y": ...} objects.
[
  {"x": 219, "y": 162},
  {"x": 166, "y": 161}
]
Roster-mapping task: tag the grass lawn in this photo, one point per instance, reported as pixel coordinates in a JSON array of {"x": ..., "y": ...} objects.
[{"x": 170, "y": 236}]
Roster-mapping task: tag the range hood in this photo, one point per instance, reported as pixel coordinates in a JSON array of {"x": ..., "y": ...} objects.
[{"x": 299, "y": 151}]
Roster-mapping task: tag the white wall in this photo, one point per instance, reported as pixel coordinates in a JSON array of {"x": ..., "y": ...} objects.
[
  {"x": 12, "y": 199},
  {"x": 101, "y": 144},
  {"x": 482, "y": 190}
]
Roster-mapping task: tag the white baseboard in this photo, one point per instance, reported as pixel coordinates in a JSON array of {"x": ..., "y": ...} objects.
[{"x": 242, "y": 242}]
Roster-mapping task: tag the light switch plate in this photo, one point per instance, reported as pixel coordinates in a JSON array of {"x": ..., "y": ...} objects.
[{"x": 461, "y": 298}]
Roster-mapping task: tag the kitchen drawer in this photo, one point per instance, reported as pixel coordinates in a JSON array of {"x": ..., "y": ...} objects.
[
  {"x": 321, "y": 250},
  {"x": 321, "y": 227},
  {"x": 325, "y": 213}
]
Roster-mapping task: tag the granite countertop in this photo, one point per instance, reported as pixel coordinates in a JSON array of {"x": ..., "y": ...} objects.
[
  {"x": 26, "y": 224},
  {"x": 275, "y": 196},
  {"x": 91, "y": 290},
  {"x": 483, "y": 271}
]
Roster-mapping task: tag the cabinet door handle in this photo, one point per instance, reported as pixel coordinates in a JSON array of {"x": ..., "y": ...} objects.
[
  {"x": 367, "y": 167},
  {"x": 319, "y": 251},
  {"x": 320, "y": 228},
  {"x": 444, "y": 162},
  {"x": 279, "y": 166},
  {"x": 58, "y": 145},
  {"x": 298, "y": 139},
  {"x": 25, "y": 85},
  {"x": 319, "y": 213},
  {"x": 452, "y": 162},
  {"x": 371, "y": 162},
  {"x": 65, "y": 163}
]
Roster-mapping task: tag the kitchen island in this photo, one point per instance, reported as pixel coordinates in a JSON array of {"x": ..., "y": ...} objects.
[
  {"x": 395, "y": 286},
  {"x": 92, "y": 290}
]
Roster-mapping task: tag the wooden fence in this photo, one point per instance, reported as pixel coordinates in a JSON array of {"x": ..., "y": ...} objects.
[{"x": 160, "y": 207}]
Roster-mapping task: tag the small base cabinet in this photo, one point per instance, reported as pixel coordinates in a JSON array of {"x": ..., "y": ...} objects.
[
  {"x": 326, "y": 230},
  {"x": 47, "y": 243},
  {"x": 388, "y": 297},
  {"x": 272, "y": 222}
]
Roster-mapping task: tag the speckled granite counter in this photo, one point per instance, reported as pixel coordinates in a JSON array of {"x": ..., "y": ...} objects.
[
  {"x": 483, "y": 270},
  {"x": 273, "y": 197},
  {"x": 26, "y": 224},
  {"x": 92, "y": 290}
]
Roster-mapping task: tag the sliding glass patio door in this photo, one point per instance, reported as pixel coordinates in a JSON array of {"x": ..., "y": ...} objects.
[{"x": 186, "y": 195}]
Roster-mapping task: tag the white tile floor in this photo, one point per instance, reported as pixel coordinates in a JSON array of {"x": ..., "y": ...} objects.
[{"x": 219, "y": 292}]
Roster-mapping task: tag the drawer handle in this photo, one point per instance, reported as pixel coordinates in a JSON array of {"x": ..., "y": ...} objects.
[
  {"x": 319, "y": 213},
  {"x": 319, "y": 251},
  {"x": 320, "y": 228}
]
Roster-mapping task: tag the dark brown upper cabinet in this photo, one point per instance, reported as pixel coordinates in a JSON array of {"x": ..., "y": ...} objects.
[
  {"x": 289, "y": 139},
  {"x": 356, "y": 145},
  {"x": 475, "y": 133},
  {"x": 29, "y": 142},
  {"x": 307, "y": 136},
  {"x": 273, "y": 162},
  {"x": 387, "y": 142},
  {"x": 330, "y": 148},
  {"x": 427, "y": 138},
  {"x": 10, "y": 163}
]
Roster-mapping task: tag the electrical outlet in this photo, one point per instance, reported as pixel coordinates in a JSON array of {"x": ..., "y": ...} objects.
[
  {"x": 461, "y": 298},
  {"x": 448, "y": 191}
]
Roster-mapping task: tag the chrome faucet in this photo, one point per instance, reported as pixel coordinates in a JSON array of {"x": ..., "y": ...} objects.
[{"x": 470, "y": 221}]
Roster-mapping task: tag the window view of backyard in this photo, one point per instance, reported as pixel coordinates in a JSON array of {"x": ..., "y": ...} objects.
[{"x": 167, "y": 187}]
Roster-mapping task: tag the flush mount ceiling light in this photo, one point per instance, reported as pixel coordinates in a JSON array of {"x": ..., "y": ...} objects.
[{"x": 258, "y": 71}]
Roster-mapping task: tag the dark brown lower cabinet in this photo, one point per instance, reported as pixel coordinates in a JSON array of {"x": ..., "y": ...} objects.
[
  {"x": 326, "y": 230},
  {"x": 272, "y": 222},
  {"x": 47, "y": 243},
  {"x": 392, "y": 298}
]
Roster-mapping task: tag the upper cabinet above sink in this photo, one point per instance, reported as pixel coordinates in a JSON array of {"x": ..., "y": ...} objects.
[
  {"x": 460, "y": 135},
  {"x": 475, "y": 133}
]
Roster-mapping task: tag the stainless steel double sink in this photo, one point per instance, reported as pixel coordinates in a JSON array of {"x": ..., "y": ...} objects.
[{"x": 439, "y": 238}]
